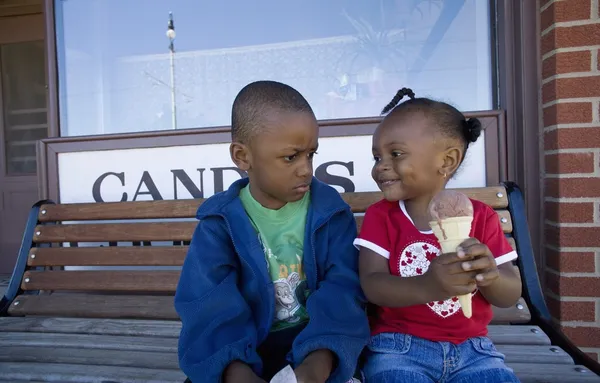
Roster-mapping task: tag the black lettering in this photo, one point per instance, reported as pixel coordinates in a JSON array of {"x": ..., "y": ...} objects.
[
  {"x": 333, "y": 180},
  {"x": 219, "y": 176},
  {"x": 98, "y": 185},
  {"x": 181, "y": 175},
  {"x": 150, "y": 185}
]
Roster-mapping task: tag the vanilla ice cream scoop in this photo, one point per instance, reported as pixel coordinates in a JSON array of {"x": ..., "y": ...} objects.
[{"x": 452, "y": 214}]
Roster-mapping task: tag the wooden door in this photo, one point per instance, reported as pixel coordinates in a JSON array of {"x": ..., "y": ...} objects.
[{"x": 23, "y": 118}]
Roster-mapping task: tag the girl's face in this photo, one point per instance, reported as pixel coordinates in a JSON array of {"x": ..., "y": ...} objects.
[{"x": 410, "y": 157}]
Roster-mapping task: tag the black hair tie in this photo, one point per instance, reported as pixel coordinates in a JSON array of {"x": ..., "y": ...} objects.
[{"x": 472, "y": 129}]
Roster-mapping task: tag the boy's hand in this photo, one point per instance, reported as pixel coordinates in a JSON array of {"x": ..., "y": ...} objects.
[
  {"x": 316, "y": 367},
  {"x": 240, "y": 372},
  {"x": 479, "y": 259}
]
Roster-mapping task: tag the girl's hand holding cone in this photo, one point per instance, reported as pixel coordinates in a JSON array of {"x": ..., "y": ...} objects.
[{"x": 478, "y": 258}]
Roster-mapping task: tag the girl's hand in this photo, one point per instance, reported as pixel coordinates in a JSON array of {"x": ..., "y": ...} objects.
[
  {"x": 447, "y": 278},
  {"x": 479, "y": 259}
]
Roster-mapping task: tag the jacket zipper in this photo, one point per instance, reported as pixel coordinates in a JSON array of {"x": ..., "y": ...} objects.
[
  {"x": 247, "y": 264},
  {"x": 314, "y": 232}
]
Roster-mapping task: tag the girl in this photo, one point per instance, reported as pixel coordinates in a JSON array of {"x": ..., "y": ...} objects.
[{"x": 418, "y": 332}]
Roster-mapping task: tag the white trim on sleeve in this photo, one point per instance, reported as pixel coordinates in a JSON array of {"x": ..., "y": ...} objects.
[
  {"x": 506, "y": 258},
  {"x": 371, "y": 246}
]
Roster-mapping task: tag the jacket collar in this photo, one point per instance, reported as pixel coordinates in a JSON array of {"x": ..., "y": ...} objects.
[{"x": 325, "y": 200}]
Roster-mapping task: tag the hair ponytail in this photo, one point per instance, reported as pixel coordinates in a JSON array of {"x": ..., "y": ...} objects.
[{"x": 399, "y": 96}]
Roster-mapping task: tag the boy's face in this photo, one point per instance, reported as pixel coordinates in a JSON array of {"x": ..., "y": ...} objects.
[{"x": 279, "y": 159}]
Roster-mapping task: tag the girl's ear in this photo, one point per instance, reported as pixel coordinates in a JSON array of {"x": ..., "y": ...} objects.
[
  {"x": 451, "y": 160},
  {"x": 240, "y": 155}
]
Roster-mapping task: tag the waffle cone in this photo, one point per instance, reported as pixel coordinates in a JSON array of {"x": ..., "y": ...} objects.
[{"x": 455, "y": 231}]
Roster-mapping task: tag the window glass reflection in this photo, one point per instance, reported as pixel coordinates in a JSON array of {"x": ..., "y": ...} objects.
[{"x": 347, "y": 57}]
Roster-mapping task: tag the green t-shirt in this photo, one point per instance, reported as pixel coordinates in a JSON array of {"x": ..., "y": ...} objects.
[{"x": 281, "y": 233}]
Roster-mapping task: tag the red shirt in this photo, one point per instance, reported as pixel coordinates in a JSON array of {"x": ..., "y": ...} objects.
[{"x": 389, "y": 231}]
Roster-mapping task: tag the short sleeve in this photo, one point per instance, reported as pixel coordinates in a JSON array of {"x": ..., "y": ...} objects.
[
  {"x": 373, "y": 232},
  {"x": 494, "y": 238}
]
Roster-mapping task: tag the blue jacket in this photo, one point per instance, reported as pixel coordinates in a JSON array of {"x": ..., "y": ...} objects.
[{"x": 226, "y": 299}]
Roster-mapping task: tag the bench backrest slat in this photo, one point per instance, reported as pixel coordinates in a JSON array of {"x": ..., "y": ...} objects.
[
  {"x": 108, "y": 256},
  {"x": 102, "y": 280},
  {"x": 157, "y": 307},
  {"x": 136, "y": 275},
  {"x": 360, "y": 201}
]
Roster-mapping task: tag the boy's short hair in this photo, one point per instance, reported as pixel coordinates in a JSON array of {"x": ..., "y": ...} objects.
[{"x": 257, "y": 99}]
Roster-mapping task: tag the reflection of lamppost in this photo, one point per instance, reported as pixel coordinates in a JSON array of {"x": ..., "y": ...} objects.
[{"x": 171, "y": 36}]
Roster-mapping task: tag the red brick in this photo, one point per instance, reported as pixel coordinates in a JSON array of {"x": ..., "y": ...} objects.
[
  {"x": 572, "y": 311},
  {"x": 572, "y": 138},
  {"x": 568, "y": 163},
  {"x": 570, "y": 37},
  {"x": 573, "y": 286},
  {"x": 567, "y": 212},
  {"x": 567, "y": 62},
  {"x": 573, "y": 237},
  {"x": 568, "y": 113},
  {"x": 584, "y": 262},
  {"x": 566, "y": 11},
  {"x": 583, "y": 336},
  {"x": 572, "y": 87},
  {"x": 594, "y": 355},
  {"x": 573, "y": 187}
]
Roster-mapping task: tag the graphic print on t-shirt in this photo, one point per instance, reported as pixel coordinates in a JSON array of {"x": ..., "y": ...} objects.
[
  {"x": 285, "y": 268},
  {"x": 414, "y": 260}
]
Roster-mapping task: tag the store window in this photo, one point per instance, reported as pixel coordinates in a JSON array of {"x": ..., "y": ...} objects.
[{"x": 347, "y": 57}]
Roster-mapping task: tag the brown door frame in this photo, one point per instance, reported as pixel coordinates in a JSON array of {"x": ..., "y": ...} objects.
[
  {"x": 519, "y": 82},
  {"x": 51, "y": 70}
]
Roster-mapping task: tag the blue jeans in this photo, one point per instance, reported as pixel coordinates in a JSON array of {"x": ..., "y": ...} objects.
[{"x": 395, "y": 357}]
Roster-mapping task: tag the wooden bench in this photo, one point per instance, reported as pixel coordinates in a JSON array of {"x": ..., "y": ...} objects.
[{"x": 114, "y": 319}]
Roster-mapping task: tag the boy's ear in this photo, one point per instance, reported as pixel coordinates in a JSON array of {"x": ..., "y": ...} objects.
[
  {"x": 451, "y": 162},
  {"x": 240, "y": 155}
]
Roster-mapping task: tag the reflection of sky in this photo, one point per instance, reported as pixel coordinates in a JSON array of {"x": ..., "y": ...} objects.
[{"x": 114, "y": 64}]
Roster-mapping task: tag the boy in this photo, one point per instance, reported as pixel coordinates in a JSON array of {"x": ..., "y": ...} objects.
[{"x": 270, "y": 278}]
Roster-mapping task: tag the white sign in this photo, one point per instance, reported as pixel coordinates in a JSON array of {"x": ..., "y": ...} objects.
[{"x": 198, "y": 171}]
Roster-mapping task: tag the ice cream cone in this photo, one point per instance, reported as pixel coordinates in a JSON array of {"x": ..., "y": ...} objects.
[{"x": 451, "y": 232}]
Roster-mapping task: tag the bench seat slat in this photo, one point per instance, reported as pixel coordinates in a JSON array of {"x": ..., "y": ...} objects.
[
  {"x": 84, "y": 341},
  {"x": 108, "y": 256},
  {"x": 51, "y": 372},
  {"x": 52, "y": 354},
  {"x": 500, "y": 334},
  {"x": 114, "y": 280},
  {"x": 92, "y": 326},
  {"x": 553, "y": 373},
  {"x": 359, "y": 202},
  {"x": 514, "y": 335},
  {"x": 544, "y": 354}
]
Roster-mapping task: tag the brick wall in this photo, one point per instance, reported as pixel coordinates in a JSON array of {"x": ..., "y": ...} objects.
[{"x": 571, "y": 113}]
